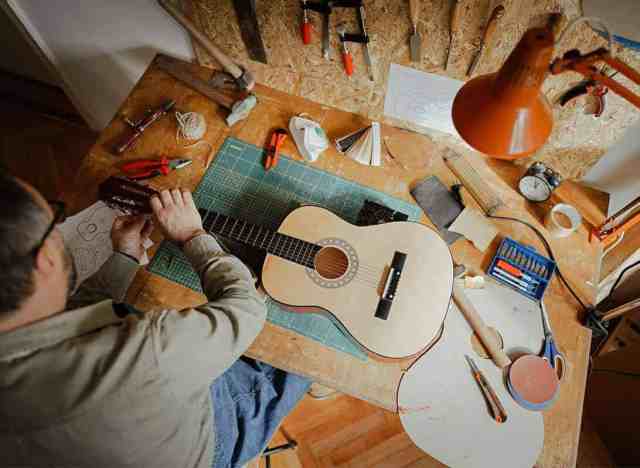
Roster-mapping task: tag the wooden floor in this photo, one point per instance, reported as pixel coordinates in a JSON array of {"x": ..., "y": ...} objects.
[
  {"x": 338, "y": 432},
  {"x": 349, "y": 433},
  {"x": 44, "y": 151}
]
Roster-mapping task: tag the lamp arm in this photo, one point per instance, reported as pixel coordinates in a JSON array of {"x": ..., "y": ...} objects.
[{"x": 573, "y": 60}]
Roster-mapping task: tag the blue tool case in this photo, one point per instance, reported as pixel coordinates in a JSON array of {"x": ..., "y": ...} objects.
[{"x": 522, "y": 268}]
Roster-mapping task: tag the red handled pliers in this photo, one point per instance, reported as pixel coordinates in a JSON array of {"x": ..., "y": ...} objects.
[{"x": 148, "y": 168}]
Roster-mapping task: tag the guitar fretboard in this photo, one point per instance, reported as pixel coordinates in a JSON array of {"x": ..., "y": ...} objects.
[{"x": 287, "y": 247}]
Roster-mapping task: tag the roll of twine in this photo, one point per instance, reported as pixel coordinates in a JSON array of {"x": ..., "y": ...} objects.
[{"x": 192, "y": 126}]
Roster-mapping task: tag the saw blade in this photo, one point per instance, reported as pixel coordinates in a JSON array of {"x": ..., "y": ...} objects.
[{"x": 250, "y": 30}]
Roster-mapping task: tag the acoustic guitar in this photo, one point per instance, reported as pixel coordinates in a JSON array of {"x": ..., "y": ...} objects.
[{"x": 388, "y": 285}]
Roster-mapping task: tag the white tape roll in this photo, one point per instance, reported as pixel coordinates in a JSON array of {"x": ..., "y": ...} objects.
[{"x": 562, "y": 220}]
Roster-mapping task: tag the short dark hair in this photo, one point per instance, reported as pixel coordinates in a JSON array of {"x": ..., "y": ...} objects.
[{"x": 22, "y": 223}]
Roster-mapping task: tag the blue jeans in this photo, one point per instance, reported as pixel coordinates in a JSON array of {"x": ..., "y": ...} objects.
[{"x": 249, "y": 400}]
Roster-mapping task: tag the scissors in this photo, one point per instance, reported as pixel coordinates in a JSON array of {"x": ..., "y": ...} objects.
[{"x": 550, "y": 351}]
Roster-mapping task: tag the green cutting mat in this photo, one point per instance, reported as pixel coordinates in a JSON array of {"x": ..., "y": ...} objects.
[{"x": 236, "y": 184}]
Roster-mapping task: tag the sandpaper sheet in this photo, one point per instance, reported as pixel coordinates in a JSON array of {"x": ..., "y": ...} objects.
[{"x": 439, "y": 205}]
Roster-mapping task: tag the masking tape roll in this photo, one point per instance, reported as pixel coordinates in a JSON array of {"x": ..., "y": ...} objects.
[{"x": 562, "y": 220}]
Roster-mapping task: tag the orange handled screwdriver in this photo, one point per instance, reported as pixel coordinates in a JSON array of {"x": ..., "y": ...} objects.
[
  {"x": 306, "y": 25},
  {"x": 347, "y": 58}
]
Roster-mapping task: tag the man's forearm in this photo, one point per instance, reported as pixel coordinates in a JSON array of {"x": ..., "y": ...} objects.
[
  {"x": 212, "y": 336},
  {"x": 111, "y": 281},
  {"x": 220, "y": 272}
]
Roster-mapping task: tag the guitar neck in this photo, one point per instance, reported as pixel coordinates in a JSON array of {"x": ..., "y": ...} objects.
[{"x": 287, "y": 247}]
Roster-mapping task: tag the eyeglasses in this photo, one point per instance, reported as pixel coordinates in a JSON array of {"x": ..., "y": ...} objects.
[{"x": 58, "y": 208}]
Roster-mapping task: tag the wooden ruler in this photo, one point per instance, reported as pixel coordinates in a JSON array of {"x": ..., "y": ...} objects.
[{"x": 482, "y": 192}]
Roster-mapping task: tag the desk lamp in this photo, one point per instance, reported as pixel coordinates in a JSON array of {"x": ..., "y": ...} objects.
[{"x": 505, "y": 114}]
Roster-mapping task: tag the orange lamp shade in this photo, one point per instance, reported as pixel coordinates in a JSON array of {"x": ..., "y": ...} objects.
[{"x": 504, "y": 114}]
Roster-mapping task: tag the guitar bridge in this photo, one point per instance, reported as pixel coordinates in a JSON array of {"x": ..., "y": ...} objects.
[{"x": 391, "y": 286}]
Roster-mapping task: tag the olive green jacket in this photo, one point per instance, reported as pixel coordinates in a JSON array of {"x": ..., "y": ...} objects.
[{"x": 87, "y": 388}]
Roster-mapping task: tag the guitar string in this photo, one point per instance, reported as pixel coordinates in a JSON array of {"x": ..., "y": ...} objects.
[
  {"x": 368, "y": 274},
  {"x": 257, "y": 212},
  {"x": 364, "y": 277},
  {"x": 288, "y": 251},
  {"x": 371, "y": 278}
]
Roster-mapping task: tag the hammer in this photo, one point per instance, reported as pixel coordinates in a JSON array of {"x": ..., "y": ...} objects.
[
  {"x": 239, "y": 107},
  {"x": 243, "y": 78}
]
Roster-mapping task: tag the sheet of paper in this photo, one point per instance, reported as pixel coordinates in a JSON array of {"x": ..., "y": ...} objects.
[
  {"x": 475, "y": 227},
  {"x": 87, "y": 236},
  {"x": 618, "y": 171},
  {"x": 424, "y": 99}
]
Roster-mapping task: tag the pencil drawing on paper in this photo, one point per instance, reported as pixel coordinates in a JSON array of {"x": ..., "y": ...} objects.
[{"x": 87, "y": 235}]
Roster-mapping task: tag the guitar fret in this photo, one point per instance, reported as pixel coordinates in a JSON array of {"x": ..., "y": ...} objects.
[
  {"x": 215, "y": 220},
  {"x": 303, "y": 252},
  {"x": 295, "y": 249},
  {"x": 226, "y": 220},
  {"x": 249, "y": 235},
  {"x": 270, "y": 242},
  {"x": 281, "y": 245},
  {"x": 242, "y": 226},
  {"x": 233, "y": 227}
]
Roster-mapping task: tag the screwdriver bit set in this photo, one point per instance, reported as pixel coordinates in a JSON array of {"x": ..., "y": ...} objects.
[{"x": 522, "y": 268}]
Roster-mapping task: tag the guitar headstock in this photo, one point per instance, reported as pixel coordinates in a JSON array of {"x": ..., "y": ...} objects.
[{"x": 125, "y": 195}]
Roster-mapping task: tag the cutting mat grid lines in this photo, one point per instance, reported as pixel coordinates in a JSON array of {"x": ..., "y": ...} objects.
[{"x": 237, "y": 185}]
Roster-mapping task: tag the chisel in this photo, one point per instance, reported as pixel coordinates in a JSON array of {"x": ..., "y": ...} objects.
[
  {"x": 415, "y": 41},
  {"x": 367, "y": 56},
  {"x": 325, "y": 35},
  {"x": 490, "y": 29},
  {"x": 453, "y": 28}
]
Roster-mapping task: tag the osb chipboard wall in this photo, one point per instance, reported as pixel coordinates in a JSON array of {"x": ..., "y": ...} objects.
[{"x": 578, "y": 139}]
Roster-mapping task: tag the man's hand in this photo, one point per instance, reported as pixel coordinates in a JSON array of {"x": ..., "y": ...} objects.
[
  {"x": 176, "y": 215},
  {"x": 129, "y": 233}
]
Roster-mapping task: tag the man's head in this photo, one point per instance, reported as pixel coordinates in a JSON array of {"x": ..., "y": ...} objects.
[{"x": 36, "y": 269}]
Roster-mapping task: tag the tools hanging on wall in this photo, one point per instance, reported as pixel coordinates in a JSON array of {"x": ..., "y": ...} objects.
[
  {"x": 489, "y": 31},
  {"x": 305, "y": 27},
  {"x": 325, "y": 8},
  {"x": 591, "y": 88},
  {"x": 347, "y": 58},
  {"x": 249, "y": 29},
  {"x": 415, "y": 40},
  {"x": 454, "y": 25}
]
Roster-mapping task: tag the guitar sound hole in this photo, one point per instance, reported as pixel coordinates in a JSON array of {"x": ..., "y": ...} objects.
[{"x": 331, "y": 262}]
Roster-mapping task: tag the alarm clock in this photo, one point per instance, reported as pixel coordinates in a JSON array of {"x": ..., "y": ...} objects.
[{"x": 539, "y": 182}]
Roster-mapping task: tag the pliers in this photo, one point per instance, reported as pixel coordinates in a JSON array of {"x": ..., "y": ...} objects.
[
  {"x": 590, "y": 87},
  {"x": 273, "y": 151},
  {"x": 149, "y": 168}
]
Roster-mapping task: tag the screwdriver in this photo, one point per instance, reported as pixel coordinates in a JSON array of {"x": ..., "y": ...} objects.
[
  {"x": 347, "y": 58},
  {"x": 306, "y": 25}
]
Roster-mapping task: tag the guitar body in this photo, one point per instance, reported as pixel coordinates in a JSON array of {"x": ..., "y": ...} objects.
[
  {"x": 352, "y": 272},
  {"x": 441, "y": 406}
]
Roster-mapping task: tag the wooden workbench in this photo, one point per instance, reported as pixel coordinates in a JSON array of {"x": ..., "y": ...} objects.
[{"x": 372, "y": 380}]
